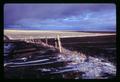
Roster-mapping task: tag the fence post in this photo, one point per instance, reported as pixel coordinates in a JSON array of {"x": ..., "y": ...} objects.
[
  {"x": 46, "y": 40},
  {"x": 34, "y": 41},
  {"x": 59, "y": 43},
  {"x": 39, "y": 41},
  {"x": 55, "y": 43},
  {"x": 30, "y": 39},
  {"x": 25, "y": 40}
]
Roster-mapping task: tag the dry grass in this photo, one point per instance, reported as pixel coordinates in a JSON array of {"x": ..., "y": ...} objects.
[{"x": 21, "y": 34}]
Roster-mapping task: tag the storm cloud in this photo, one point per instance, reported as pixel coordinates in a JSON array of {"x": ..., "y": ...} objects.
[{"x": 82, "y": 17}]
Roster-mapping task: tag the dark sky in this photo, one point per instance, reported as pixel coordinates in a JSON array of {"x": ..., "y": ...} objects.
[{"x": 82, "y": 17}]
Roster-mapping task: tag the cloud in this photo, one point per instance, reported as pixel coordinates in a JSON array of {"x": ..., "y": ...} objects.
[{"x": 60, "y": 16}]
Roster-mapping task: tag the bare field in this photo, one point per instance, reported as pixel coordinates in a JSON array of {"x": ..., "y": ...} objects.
[{"x": 21, "y": 34}]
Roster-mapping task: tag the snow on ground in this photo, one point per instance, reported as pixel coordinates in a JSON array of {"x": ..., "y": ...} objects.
[{"x": 91, "y": 67}]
